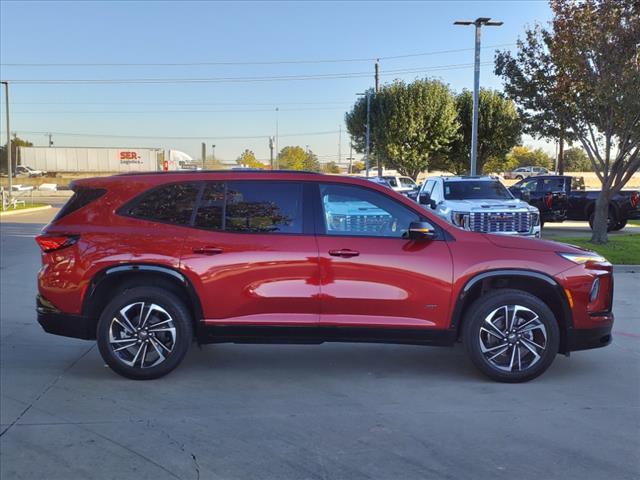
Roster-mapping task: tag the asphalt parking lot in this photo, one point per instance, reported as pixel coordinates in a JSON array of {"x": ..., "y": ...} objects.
[{"x": 333, "y": 411}]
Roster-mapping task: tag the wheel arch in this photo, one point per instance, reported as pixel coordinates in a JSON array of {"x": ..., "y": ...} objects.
[
  {"x": 106, "y": 283},
  {"x": 539, "y": 284}
]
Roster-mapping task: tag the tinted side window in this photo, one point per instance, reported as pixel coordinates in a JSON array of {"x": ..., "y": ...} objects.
[
  {"x": 170, "y": 204},
  {"x": 210, "y": 213},
  {"x": 263, "y": 207},
  {"x": 352, "y": 210}
]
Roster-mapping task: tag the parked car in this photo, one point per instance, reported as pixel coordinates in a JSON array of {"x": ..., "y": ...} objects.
[
  {"x": 379, "y": 181},
  {"x": 27, "y": 171},
  {"x": 479, "y": 204},
  {"x": 401, "y": 184},
  {"x": 578, "y": 202},
  {"x": 524, "y": 172},
  {"x": 146, "y": 262}
]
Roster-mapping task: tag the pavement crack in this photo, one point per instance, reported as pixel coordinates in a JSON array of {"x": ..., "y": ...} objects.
[{"x": 46, "y": 389}]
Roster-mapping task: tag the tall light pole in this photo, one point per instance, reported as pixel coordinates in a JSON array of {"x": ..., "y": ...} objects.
[
  {"x": 368, "y": 132},
  {"x": 213, "y": 152},
  {"x": 479, "y": 22},
  {"x": 277, "y": 151},
  {"x": 9, "y": 153}
]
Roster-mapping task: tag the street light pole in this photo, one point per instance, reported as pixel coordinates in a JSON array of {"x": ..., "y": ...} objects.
[
  {"x": 9, "y": 153},
  {"x": 368, "y": 132},
  {"x": 479, "y": 22}
]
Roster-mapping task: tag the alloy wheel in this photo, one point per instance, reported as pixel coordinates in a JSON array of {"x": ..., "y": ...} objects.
[
  {"x": 142, "y": 335},
  {"x": 512, "y": 338}
]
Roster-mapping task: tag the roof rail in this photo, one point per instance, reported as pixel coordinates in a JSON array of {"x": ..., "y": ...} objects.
[{"x": 227, "y": 171}]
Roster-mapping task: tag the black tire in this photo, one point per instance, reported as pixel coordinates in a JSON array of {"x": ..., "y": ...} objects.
[
  {"x": 172, "y": 342},
  {"x": 519, "y": 177},
  {"x": 612, "y": 221},
  {"x": 620, "y": 225},
  {"x": 476, "y": 336}
]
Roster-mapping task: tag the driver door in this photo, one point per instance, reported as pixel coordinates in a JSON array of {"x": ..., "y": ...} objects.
[{"x": 371, "y": 275}]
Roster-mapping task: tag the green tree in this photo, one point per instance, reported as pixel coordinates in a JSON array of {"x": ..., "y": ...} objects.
[
  {"x": 296, "y": 158},
  {"x": 499, "y": 129},
  {"x": 522, "y": 156},
  {"x": 15, "y": 143},
  {"x": 588, "y": 62},
  {"x": 409, "y": 123},
  {"x": 576, "y": 160},
  {"x": 330, "y": 167},
  {"x": 248, "y": 159}
]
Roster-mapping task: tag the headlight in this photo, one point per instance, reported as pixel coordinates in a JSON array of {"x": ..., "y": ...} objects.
[
  {"x": 460, "y": 219},
  {"x": 583, "y": 257}
]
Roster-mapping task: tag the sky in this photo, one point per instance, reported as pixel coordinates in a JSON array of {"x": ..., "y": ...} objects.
[{"x": 234, "y": 50}]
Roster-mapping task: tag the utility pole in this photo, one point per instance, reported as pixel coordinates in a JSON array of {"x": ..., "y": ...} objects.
[
  {"x": 271, "y": 151},
  {"x": 340, "y": 144},
  {"x": 277, "y": 147},
  {"x": 9, "y": 153},
  {"x": 350, "y": 157},
  {"x": 204, "y": 153},
  {"x": 377, "y": 79},
  {"x": 479, "y": 22},
  {"x": 368, "y": 134},
  {"x": 213, "y": 152}
]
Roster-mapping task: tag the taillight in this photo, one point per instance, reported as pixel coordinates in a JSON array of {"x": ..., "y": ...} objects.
[
  {"x": 548, "y": 200},
  {"x": 635, "y": 199},
  {"x": 51, "y": 243}
]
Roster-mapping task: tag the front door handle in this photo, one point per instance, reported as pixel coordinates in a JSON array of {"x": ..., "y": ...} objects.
[
  {"x": 208, "y": 250},
  {"x": 344, "y": 252}
]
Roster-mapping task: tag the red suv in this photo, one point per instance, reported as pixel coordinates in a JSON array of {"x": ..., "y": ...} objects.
[{"x": 144, "y": 263}]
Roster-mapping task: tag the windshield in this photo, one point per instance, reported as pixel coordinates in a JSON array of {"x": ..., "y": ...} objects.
[
  {"x": 407, "y": 182},
  {"x": 466, "y": 190}
]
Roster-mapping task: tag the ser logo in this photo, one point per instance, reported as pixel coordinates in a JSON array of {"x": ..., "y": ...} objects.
[{"x": 128, "y": 158}]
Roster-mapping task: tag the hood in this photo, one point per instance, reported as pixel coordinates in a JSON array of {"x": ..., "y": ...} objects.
[
  {"x": 536, "y": 244},
  {"x": 487, "y": 205}
]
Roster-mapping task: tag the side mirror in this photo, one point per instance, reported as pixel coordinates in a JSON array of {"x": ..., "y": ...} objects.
[
  {"x": 421, "y": 231},
  {"x": 425, "y": 199}
]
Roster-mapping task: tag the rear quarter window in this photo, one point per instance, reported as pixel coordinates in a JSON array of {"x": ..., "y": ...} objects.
[{"x": 167, "y": 204}]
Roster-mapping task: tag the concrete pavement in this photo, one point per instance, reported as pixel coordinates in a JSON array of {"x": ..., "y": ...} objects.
[{"x": 333, "y": 411}]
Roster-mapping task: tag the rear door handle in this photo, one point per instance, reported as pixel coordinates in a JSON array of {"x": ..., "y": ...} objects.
[
  {"x": 345, "y": 252},
  {"x": 208, "y": 250}
]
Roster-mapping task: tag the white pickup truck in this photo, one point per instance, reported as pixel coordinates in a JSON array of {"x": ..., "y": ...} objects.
[{"x": 479, "y": 204}]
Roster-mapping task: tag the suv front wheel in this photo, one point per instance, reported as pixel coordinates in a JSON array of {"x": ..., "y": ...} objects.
[
  {"x": 144, "y": 332},
  {"x": 511, "y": 335}
]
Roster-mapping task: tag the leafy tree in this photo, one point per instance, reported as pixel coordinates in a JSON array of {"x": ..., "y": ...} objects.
[
  {"x": 409, "y": 123},
  {"x": 15, "y": 143},
  {"x": 296, "y": 158},
  {"x": 522, "y": 156},
  {"x": 330, "y": 167},
  {"x": 499, "y": 129},
  {"x": 576, "y": 160},
  {"x": 357, "y": 167},
  {"x": 248, "y": 159},
  {"x": 587, "y": 63}
]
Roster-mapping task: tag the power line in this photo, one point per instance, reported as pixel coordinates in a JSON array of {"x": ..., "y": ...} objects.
[
  {"x": 169, "y": 137},
  {"x": 241, "y": 63},
  {"x": 325, "y": 76},
  {"x": 66, "y": 112},
  {"x": 272, "y": 104}
]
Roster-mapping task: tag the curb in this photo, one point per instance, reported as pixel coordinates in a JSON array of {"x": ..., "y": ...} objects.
[
  {"x": 626, "y": 268},
  {"x": 24, "y": 210}
]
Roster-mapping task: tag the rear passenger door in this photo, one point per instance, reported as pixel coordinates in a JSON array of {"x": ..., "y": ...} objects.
[{"x": 253, "y": 255}]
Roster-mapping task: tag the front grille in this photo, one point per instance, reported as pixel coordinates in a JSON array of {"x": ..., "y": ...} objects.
[
  {"x": 502, "y": 222},
  {"x": 358, "y": 223}
]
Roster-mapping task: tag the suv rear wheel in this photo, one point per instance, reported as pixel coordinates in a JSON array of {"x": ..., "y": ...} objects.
[
  {"x": 511, "y": 335},
  {"x": 144, "y": 332}
]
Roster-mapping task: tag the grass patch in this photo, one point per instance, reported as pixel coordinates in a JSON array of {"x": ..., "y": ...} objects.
[
  {"x": 26, "y": 205},
  {"x": 621, "y": 249},
  {"x": 634, "y": 222}
]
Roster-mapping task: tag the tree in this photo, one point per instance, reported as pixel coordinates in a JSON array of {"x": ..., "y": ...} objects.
[
  {"x": 15, "y": 143},
  {"x": 576, "y": 160},
  {"x": 248, "y": 159},
  {"x": 588, "y": 64},
  {"x": 296, "y": 158},
  {"x": 330, "y": 167},
  {"x": 522, "y": 156},
  {"x": 357, "y": 167},
  {"x": 409, "y": 123},
  {"x": 499, "y": 129}
]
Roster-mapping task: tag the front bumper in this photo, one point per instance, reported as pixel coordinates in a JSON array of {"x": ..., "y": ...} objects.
[
  {"x": 56, "y": 322},
  {"x": 587, "y": 338}
]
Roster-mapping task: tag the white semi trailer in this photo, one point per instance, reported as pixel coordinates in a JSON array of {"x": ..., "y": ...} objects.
[{"x": 99, "y": 160}]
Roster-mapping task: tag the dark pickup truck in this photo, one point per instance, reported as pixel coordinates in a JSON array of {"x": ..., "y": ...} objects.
[{"x": 560, "y": 197}]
